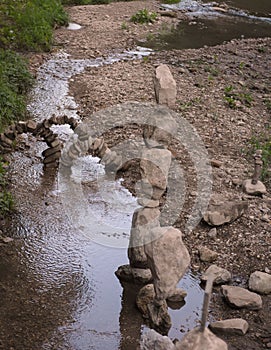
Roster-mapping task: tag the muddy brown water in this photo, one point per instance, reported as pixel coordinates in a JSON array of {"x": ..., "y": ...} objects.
[{"x": 206, "y": 25}]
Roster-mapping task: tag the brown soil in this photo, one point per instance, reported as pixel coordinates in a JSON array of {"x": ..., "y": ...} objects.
[{"x": 202, "y": 76}]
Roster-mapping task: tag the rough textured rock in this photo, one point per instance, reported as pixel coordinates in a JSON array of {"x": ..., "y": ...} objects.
[
  {"x": 168, "y": 259},
  {"x": 242, "y": 298},
  {"x": 154, "y": 167},
  {"x": 196, "y": 340},
  {"x": 160, "y": 129},
  {"x": 165, "y": 86},
  {"x": 223, "y": 213},
  {"x": 158, "y": 317},
  {"x": 152, "y": 340},
  {"x": 260, "y": 282},
  {"x": 254, "y": 189},
  {"x": 207, "y": 254},
  {"x": 144, "y": 219},
  {"x": 144, "y": 297},
  {"x": 126, "y": 273},
  {"x": 219, "y": 274},
  {"x": 236, "y": 326}
]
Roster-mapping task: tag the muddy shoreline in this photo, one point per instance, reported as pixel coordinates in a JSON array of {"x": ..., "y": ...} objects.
[{"x": 31, "y": 317}]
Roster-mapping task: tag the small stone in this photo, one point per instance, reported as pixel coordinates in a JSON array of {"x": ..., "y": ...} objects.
[
  {"x": 216, "y": 163},
  {"x": 126, "y": 273},
  {"x": 254, "y": 190},
  {"x": 53, "y": 143},
  {"x": 7, "y": 239},
  {"x": 31, "y": 125},
  {"x": 159, "y": 317},
  {"x": 177, "y": 296},
  {"x": 236, "y": 326},
  {"x": 52, "y": 158},
  {"x": 242, "y": 298},
  {"x": 49, "y": 151},
  {"x": 219, "y": 274},
  {"x": 207, "y": 255},
  {"x": 5, "y": 140},
  {"x": 212, "y": 233},
  {"x": 149, "y": 203},
  {"x": 260, "y": 282}
]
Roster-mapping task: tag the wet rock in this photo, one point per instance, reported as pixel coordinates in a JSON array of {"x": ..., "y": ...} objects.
[
  {"x": 222, "y": 213},
  {"x": 218, "y": 274},
  {"x": 49, "y": 151},
  {"x": 236, "y": 326},
  {"x": 158, "y": 317},
  {"x": 242, "y": 298},
  {"x": 21, "y": 127},
  {"x": 168, "y": 259},
  {"x": 251, "y": 189},
  {"x": 53, "y": 142},
  {"x": 152, "y": 340},
  {"x": 165, "y": 86},
  {"x": 260, "y": 282},
  {"x": 177, "y": 296},
  {"x": 144, "y": 219},
  {"x": 52, "y": 158},
  {"x": 145, "y": 296},
  {"x": 160, "y": 129},
  {"x": 207, "y": 255},
  {"x": 197, "y": 340},
  {"x": 126, "y": 273}
]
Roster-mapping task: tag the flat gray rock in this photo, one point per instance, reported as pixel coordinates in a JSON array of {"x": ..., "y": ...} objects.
[
  {"x": 254, "y": 190},
  {"x": 260, "y": 282},
  {"x": 236, "y": 326},
  {"x": 218, "y": 274},
  {"x": 242, "y": 298}
]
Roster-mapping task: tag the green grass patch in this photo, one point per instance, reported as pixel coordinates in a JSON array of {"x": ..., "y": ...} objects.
[
  {"x": 170, "y": 1},
  {"x": 28, "y": 25},
  {"x": 6, "y": 200},
  {"x": 234, "y": 98},
  {"x": 15, "y": 80},
  {"x": 144, "y": 17}
]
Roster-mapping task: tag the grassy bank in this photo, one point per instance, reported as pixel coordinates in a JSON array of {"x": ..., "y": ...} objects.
[{"x": 24, "y": 26}]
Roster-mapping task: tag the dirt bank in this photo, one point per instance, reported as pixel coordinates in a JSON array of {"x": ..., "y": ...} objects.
[{"x": 203, "y": 76}]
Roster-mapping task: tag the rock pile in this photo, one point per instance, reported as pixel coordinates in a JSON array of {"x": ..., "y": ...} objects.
[
  {"x": 152, "y": 247},
  {"x": 40, "y": 130}
]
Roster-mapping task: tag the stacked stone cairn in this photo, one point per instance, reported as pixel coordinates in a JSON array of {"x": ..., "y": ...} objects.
[{"x": 156, "y": 254}]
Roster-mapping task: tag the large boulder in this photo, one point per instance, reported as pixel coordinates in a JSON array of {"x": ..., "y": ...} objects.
[
  {"x": 260, "y": 282},
  {"x": 165, "y": 86},
  {"x": 168, "y": 259},
  {"x": 144, "y": 219},
  {"x": 242, "y": 298}
]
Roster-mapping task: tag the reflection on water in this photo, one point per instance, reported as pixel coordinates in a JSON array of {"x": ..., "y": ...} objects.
[{"x": 207, "y": 24}]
